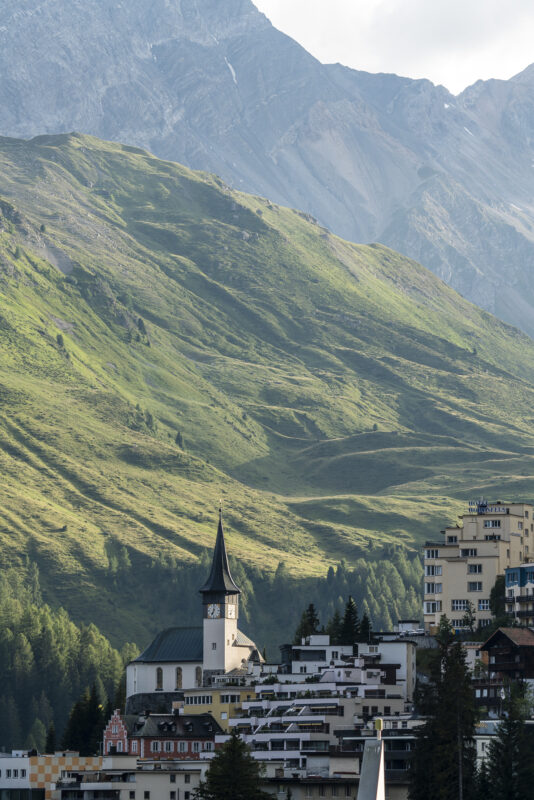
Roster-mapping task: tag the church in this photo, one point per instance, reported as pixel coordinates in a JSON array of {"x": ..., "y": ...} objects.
[{"x": 186, "y": 658}]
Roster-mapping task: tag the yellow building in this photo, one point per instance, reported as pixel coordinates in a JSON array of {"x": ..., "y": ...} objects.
[
  {"x": 461, "y": 570},
  {"x": 221, "y": 702}
]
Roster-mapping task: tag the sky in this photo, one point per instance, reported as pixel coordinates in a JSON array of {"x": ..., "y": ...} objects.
[{"x": 452, "y": 42}]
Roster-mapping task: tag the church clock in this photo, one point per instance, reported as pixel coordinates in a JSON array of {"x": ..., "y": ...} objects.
[{"x": 214, "y": 611}]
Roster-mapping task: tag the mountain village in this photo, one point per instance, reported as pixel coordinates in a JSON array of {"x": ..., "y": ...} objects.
[{"x": 311, "y": 717}]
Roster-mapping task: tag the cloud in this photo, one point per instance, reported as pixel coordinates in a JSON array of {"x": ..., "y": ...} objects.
[{"x": 453, "y": 42}]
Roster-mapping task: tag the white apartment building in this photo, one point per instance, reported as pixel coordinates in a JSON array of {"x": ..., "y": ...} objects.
[{"x": 460, "y": 570}]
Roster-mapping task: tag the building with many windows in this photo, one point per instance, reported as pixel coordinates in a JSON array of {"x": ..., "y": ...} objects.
[
  {"x": 460, "y": 570},
  {"x": 161, "y": 736},
  {"x": 520, "y": 593}
]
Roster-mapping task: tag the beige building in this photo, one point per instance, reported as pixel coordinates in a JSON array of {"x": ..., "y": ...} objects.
[{"x": 460, "y": 570}]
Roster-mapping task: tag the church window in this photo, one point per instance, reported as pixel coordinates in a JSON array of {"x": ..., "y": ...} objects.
[
  {"x": 198, "y": 676},
  {"x": 159, "y": 679},
  {"x": 178, "y": 677}
]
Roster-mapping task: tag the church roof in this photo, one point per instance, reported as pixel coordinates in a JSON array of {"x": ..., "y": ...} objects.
[
  {"x": 175, "y": 644},
  {"x": 220, "y": 579}
]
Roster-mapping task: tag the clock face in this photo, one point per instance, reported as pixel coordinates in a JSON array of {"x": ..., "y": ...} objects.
[
  {"x": 231, "y": 611},
  {"x": 214, "y": 610}
]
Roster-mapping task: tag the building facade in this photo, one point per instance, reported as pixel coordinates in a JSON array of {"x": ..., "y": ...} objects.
[
  {"x": 161, "y": 736},
  {"x": 460, "y": 571},
  {"x": 519, "y": 582}
]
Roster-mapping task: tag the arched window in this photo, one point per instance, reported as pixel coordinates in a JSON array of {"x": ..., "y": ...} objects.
[
  {"x": 198, "y": 676},
  {"x": 159, "y": 679},
  {"x": 178, "y": 677}
]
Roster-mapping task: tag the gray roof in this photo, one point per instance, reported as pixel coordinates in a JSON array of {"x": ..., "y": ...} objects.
[
  {"x": 220, "y": 579},
  {"x": 172, "y": 725},
  {"x": 175, "y": 644},
  {"x": 243, "y": 641}
]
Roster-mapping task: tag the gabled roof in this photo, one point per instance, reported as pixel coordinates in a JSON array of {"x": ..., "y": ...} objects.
[
  {"x": 175, "y": 644},
  {"x": 172, "y": 726},
  {"x": 220, "y": 579},
  {"x": 522, "y": 637}
]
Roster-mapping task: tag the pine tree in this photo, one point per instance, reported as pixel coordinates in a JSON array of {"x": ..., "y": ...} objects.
[
  {"x": 308, "y": 625},
  {"x": 334, "y": 627},
  {"x": 350, "y": 627},
  {"x": 50, "y": 744},
  {"x": 510, "y": 767},
  {"x": 443, "y": 764},
  {"x": 366, "y": 630},
  {"x": 233, "y": 774}
]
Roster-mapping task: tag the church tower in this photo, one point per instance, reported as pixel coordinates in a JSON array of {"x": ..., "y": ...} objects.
[{"x": 220, "y": 600}]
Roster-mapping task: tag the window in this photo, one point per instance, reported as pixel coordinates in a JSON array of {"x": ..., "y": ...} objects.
[
  {"x": 159, "y": 679},
  {"x": 483, "y": 623},
  {"x": 483, "y": 605},
  {"x": 208, "y": 746},
  {"x": 198, "y": 676},
  {"x": 8, "y": 773},
  {"x": 15, "y": 773},
  {"x": 169, "y": 747},
  {"x": 335, "y": 654},
  {"x": 492, "y": 537},
  {"x": 119, "y": 747},
  {"x": 182, "y": 747},
  {"x": 492, "y": 523},
  {"x": 186, "y": 795},
  {"x": 519, "y": 526},
  {"x": 133, "y": 746},
  {"x": 431, "y": 553},
  {"x": 187, "y": 778},
  {"x": 526, "y": 514},
  {"x": 154, "y": 746},
  {"x": 214, "y": 645},
  {"x": 459, "y": 605},
  {"x": 178, "y": 678},
  {"x": 474, "y": 586},
  {"x": 321, "y": 791},
  {"x": 469, "y": 553},
  {"x": 132, "y": 795},
  {"x": 302, "y": 668},
  {"x": 474, "y": 569},
  {"x": 173, "y": 778},
  {"x": 433, "y": 569},
  {"x": 172, "y": 795},
  {"x": 452, "y": 539},
  {"x": 196, "y": 747},
  {"x": 432, "y": 606},
  {"x": 457, "y": 623},
  {"x": 22, "y": 773},
  {"x": 114, "y": 729},
  {"x": 146, "y": 794}
]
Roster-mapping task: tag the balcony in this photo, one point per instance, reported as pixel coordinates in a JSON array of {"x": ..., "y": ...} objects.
[{"x": 525, "y": 612}]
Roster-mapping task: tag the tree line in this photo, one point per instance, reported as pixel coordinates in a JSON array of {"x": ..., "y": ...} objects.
[{"x": 46, "y": 663}]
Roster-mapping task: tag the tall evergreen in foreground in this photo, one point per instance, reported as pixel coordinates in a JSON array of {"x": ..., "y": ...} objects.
[
  {"x": 233, "y": 774},
  {"x": 509, "y": 765},
  {"x": 443, "y": 766}
]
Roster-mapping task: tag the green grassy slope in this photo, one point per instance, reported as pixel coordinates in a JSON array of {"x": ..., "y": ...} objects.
[{"x": 272, "y": 346}]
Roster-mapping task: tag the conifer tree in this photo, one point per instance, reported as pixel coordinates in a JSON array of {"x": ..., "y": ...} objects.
[
  {"x": 233, "y": 774},
  {"x": 50, "y": 744},
  {"x": 308, "y": 625},
  {"x": 510, "y": 766},
  {"x": 333, "y": 628},
  {"x": 443, "y": 764},
  {"x": 366, "y": 630},
  {"x": 350, "y": 627}
]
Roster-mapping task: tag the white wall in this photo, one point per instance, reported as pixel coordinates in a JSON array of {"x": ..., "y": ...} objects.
[{"x": 141, "y": 678}]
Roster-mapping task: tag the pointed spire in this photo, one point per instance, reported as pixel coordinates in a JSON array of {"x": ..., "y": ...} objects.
[{"x": 220, "y": 579}]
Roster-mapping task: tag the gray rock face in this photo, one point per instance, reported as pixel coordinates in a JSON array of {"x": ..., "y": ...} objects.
[{"x": 446, "y": 180}]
